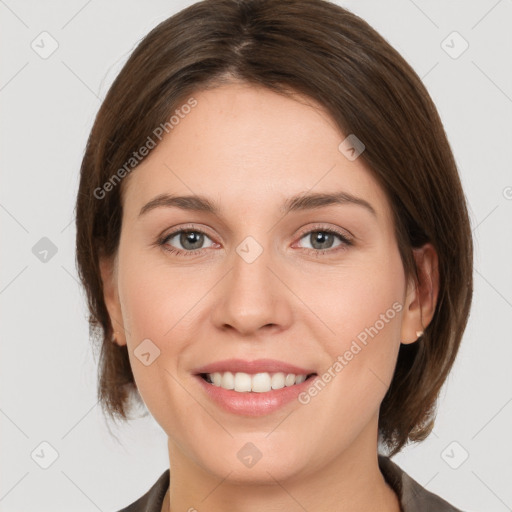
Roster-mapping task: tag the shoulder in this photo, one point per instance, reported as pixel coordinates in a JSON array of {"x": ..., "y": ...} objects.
[
  {"x": 154, "y": 497},
  {"x": 412, "y": 496}
]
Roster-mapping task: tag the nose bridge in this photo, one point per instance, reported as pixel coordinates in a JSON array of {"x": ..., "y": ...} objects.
[
  {"x": 251, "y": 293},
  {"x": 251, "y": 264}
]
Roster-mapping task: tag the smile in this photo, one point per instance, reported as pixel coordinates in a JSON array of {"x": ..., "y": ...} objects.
[{"x": 257, "y": 383}]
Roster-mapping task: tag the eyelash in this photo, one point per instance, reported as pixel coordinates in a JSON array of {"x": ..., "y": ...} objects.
[{"x": 346, "y": 242}]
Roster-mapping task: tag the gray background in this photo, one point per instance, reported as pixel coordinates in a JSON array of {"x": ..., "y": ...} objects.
[{"x": 48, "y": 373}]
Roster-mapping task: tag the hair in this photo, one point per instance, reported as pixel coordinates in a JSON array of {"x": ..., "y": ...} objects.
[{"x": 321, "y": 50}]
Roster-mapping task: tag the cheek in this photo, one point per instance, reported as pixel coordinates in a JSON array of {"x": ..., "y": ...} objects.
[
  {"x": 367, "y": 322},
  {"x": 154, "y": 297},
  {"x": 158, "y": 321},
  {"x": 361, "y": 300},
  {"x": 363, "y": 306}
]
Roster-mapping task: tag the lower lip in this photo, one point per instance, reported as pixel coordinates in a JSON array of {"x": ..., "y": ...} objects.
[{"x": 251, "y": 403}]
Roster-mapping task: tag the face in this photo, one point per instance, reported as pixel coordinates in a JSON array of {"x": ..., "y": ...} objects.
[{"x": 320, "y": 289}]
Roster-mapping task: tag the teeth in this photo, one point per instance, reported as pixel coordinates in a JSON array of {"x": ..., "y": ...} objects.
[
  {"x": 277, "y": 381},
  {"x": 242, "y": 382},
  {"x": 257, "y": 383},
  {"x": 227, "y": 380}
]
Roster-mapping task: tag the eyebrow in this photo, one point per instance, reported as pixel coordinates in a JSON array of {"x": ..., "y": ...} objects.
[{"x": 299, "y": 202}]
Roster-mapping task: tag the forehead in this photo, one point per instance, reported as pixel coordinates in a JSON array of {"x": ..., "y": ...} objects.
[{"x": 247, "y": 147}]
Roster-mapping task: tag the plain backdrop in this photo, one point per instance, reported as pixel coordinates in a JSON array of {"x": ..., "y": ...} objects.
[{"x": 48, "y": 371}]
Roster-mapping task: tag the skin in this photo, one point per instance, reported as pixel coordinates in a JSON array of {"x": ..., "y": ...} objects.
[{"x": 249, "y": 149}]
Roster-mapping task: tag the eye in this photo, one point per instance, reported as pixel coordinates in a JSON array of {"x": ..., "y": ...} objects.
[
  {"x": 190, "y": 240},
  {"x": 321, "y": 240}
]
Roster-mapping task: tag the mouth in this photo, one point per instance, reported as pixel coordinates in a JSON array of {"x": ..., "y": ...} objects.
[
  {"x": 262, "y": 382},
  {"x": 256, "y": 387}
]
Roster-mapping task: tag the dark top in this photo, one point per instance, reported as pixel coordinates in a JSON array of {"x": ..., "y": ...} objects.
[{"x": 413, "y": 497}]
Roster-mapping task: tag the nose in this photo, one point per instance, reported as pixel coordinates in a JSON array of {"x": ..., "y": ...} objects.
[{"x": 252, "y": 296}]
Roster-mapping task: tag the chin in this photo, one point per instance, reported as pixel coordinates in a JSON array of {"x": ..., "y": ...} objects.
[{"x": 256, "y": 462}]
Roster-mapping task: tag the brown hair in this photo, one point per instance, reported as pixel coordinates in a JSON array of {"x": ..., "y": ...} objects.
[{"x": 319, "y": 49}]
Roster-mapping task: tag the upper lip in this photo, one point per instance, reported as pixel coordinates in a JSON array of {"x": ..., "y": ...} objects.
[{"x": 256, "y": 366}]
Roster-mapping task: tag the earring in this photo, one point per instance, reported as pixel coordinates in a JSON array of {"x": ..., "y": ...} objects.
[{"x": 418, "y": 334}]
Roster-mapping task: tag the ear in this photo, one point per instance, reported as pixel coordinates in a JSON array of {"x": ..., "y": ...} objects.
[
  {"x": 108, "y": 269},
  {"x": 421, "y": 297}
]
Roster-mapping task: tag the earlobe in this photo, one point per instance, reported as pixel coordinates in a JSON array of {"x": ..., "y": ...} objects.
[
  {"x": 421, "y": 297},
  {"x": 111, "y": 298}
]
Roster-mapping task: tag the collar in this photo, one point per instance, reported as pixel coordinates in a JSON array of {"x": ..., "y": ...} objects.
[{"x": 412, "y": 496}]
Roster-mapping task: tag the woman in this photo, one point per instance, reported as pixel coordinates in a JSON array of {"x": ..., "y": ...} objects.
[{"x": 277, "y": 255}]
